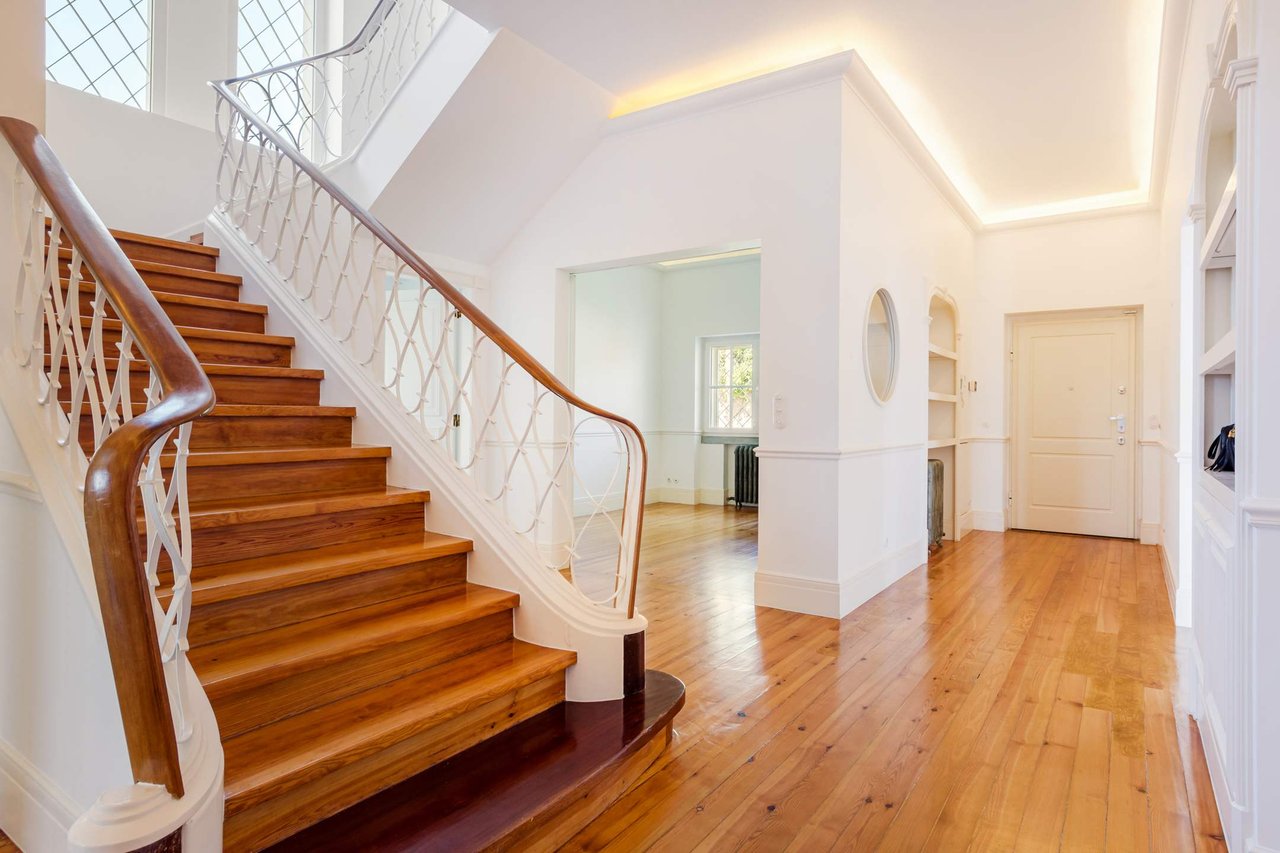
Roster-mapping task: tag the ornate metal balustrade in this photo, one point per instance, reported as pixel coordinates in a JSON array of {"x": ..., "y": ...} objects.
[
  {"x": 324, "y": 105},
  {"x": 120, "y": 389},
  {"x": 565, "y": 476}
]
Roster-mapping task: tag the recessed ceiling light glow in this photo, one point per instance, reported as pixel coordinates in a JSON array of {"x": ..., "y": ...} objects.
[{"x": 701, "y": 259}]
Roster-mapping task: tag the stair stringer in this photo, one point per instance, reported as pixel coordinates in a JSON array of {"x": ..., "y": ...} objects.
[{"x": 552, "y": 612}]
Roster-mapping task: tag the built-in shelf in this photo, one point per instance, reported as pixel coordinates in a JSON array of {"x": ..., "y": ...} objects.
[
  {"x": 936, "y": 351},
  {"x": 935, "y": 397},
  {"x": 935, "y": 443},
  {"x": 1222, "y": 485},
  {"x": 1220, "y": 239},
  {"x": 1221, "y": 358}
]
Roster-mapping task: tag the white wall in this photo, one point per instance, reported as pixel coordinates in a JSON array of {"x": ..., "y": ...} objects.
[
  {"x": 1101, "y": 262},
  {"x": 141, "y": 171},
  {"x": 61, "y": 736},
  {"x": 670, "y": 184},
  {"x": 22, "y": 62},
  {"x": 897, "y": 232},
  {"x": 637, "y": 337},
  {"x": 699, "y": 301}
]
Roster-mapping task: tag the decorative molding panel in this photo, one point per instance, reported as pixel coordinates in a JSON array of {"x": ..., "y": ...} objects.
[{"x": 20, "y": 486}]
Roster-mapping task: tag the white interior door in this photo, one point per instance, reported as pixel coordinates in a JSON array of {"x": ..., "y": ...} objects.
[{"x": 1074, "y": 439}]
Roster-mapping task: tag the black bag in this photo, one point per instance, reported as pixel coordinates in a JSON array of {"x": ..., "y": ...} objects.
[{"x": 1223, "y": 450}]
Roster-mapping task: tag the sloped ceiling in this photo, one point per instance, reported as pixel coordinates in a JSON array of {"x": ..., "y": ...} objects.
[{"x": 1031, "y": 107}]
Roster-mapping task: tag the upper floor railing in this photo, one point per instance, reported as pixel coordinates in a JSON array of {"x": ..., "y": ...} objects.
[
  {"x": 324, "y": 105},
  {"x": 567, "y": 477},
  {"x": 119, "y": 389}
]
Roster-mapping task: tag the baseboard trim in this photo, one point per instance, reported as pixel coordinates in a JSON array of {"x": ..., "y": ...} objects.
[
  {"x": 836, "y": 599},
  {"x": 35, "y": 812},
  {"x": 989, "y": 519},
  {"x": 1149, "y": 533},
  {"x": 964, "y": 525}
]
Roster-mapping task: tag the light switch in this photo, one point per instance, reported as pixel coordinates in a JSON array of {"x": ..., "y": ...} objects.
[{"x": 779, "y": 412}]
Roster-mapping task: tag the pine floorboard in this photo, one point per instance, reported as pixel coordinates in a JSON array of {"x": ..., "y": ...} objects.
[{"x": 1022, "y": 691}]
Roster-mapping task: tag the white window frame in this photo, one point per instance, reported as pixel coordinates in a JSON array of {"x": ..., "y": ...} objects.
[{"x": 708, "y": 384}]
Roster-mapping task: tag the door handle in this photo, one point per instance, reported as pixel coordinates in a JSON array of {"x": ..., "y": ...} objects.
[{"x": 1119, "y": 422}]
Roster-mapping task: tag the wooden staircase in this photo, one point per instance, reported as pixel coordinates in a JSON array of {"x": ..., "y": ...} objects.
[{"x": 340, "y": 644}]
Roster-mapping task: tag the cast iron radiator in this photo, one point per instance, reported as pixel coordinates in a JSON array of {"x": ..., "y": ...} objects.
[
  {"x": 746, "y": 475},
  {"x": 935, "y": 503}
]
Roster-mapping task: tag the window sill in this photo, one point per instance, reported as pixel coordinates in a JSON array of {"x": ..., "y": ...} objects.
[{"x": 723, "y": 438}]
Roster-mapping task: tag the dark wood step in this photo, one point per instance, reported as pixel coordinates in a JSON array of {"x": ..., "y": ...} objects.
[
  {"x": 143, "y": 247},
  {"x": 530, "y": 787},
  {"x": 261, "y": 678},
  {"x": 246, "y": 596},
  {"x": 244, "y": 529},
  {"x": 185, "y": 310},
  {"x": 234, "y": 384},
  {"x": 212, "y": 346},
  {"x": 223, "y": 475},
  {"x": 169, "y": 278},
  {"x": 243, "y": 427},
  {"x": 287, "y": 775}
]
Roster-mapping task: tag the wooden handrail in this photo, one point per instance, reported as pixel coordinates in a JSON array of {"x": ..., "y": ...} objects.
[
  {"x": 451, "y": 294},
  {"x": 111, "y": 487}
]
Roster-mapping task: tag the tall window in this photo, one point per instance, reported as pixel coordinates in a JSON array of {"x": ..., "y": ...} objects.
[
  {"x": 731, "y": 388},
  {"x": 102, "y": 47},
  {"x": 274, "y": 32}
]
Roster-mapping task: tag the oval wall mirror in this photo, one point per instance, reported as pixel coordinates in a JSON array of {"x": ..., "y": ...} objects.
[{"x": 881, "y": 345}]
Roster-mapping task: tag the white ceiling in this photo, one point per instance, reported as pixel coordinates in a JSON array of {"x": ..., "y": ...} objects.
[{"x": 1031, "y": 107}]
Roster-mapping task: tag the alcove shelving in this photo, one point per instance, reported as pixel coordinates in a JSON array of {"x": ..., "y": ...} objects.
[
  {"x": 1215, "y": 327},
  {"x": 944, "y": 364}
]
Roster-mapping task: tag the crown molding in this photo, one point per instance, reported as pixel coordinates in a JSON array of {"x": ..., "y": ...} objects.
[
  {"x": 864, "y": 84},
  {"x": 1240, "y": 73}
]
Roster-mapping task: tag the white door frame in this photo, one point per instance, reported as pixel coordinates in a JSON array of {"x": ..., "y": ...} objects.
[{"x": 1012, "y": 324}]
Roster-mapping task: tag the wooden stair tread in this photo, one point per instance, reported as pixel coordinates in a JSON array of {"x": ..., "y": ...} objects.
[
  {"x": 249, "y": 370},
  {"x": 518, "y": 779},
  {"x": 268, "y": 761},
  {"x": 162, "y": 242},
  {"x": 255, "y": 659},
  {"x": 113, "y": 325},
  {"x": 219, "y": 513},
  {"x": 212, "y": 302},
  {"x": 242, "y": 578},
  {"x": 173, "y": 270},
  {"x": 277, "y": 455},
  {"x": 256, "y": 410}
]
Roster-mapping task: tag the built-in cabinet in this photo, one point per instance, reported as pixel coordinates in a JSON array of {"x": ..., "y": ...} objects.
[
  {"x": 943, "y": 402},
  {"x": 1221, "y": 595}
]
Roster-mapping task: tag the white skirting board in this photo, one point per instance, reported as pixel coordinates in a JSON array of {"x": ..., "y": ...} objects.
[
  {"x": 34, "y": 811},
  {"x": 837, "y": 599},
  {"x": 989, "y": 519}
]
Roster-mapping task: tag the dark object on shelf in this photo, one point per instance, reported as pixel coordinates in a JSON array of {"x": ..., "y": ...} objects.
[
  {"x": 746, "y": 476},
  {"x": 935, "y": 504},
  {"x": 1223, "y": 450}
]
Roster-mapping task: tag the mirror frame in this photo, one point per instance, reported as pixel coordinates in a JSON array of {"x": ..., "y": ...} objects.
[{"x": 891, "y": 316}]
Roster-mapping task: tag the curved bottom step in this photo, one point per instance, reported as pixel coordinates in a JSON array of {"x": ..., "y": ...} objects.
[{"x": 530, "y": 787}]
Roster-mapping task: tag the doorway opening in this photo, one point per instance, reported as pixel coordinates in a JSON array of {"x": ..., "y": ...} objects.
[
  {"x": 674, "y": 345},
  {"x": 1074, "y": 401}
]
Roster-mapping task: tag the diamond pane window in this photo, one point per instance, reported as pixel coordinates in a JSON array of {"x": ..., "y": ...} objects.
[
  {"x": 732, "y": 383},
  {"x": 274, "y": 32},
  {"x": 102, "y": 47}
]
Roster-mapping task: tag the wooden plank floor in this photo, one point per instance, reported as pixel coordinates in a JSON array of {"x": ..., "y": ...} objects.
[
  {"x": 7, "y": 845},
  {"x": 1019, "y": 693}
]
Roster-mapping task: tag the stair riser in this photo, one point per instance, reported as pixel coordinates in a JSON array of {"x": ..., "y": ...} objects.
[
  {"x": 239, "y": 711},
  {"x": 224, "y": 482},
  {"x": 218, "y": 621},
  {"x": 173, "y": 255},
  {"x": 231, "y": 432},
  {"x": 265, "y": 390},
  {"x": 214, "y": 351},
  {"x": 198, "y": 316},
  {"x": 282, "y": 536},
  {"x": 254, "y": 826},
  {"x": 168, "y": 255},
  {"x": 177, "y": 280}
]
